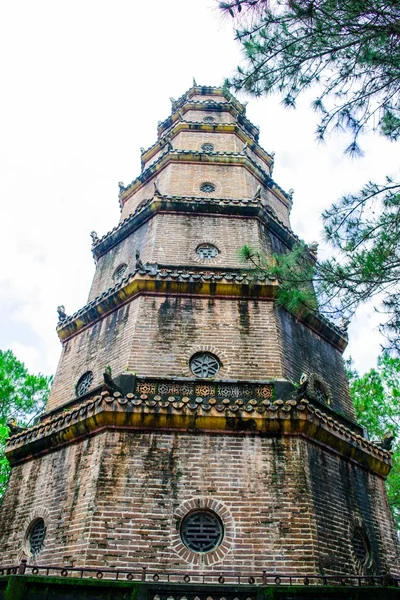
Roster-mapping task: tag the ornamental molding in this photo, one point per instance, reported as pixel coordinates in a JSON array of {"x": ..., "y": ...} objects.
[
  {"x": 203, "y": 90},
  {"x": 201, "y": 127},
  {"x": 135, "y": 412},
  {"x": 177, "y": 281},
  {"x": 241, "y": 207},
  {"x": 208, "y": 558}
]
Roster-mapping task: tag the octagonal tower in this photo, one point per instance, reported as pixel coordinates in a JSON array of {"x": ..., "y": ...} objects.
[{"x": 174, "y": 439}]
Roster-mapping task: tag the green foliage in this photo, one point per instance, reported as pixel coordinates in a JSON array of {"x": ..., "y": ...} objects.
[
  {"x": 348, "y": 51},
  {"x": 294, "y": 271},
  {"x": 22, "y": 397},
  {"x": 376, "y": 398}
]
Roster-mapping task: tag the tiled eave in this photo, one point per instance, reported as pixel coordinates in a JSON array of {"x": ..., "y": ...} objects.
[
  {"x": 176, "y": 281},
  {"x": 203, "y": 90},
  {"x": 167, "y": 281},
  {"x": 211, "y": 106},
  {"x": 139, "y": 413},
  {"x": 252, "y": 207},
  {"x": 234, "y": 128},
  {"x": 216, "y": 158}
]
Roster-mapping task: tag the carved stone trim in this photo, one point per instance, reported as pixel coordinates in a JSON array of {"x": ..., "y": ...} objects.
[
  {"x": 214, "y": 556},
  {"x": 40, "y": 512},
  {"x": 139, "y": 413}
]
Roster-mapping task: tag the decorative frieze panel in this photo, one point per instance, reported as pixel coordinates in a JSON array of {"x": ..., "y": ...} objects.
[{"x": 215, "y": 392}]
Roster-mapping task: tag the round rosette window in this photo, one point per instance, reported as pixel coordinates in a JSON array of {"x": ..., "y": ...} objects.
[
  {"x": 204, "y": 365},
  {"x": 207, "y": 148},
  {"x": 202, "y": 531},
  {"x": 119, "y": 272},
  {"x": 84, "y": 383},
  {"x": 209, "y": 120},
  {"x": 207, "y": 187}
]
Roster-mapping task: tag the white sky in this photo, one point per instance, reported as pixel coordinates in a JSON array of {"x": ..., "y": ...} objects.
[{"x": 83, "y": 85}]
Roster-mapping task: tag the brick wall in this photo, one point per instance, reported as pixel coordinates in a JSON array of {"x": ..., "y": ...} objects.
[
  {"x": 117, "y": 499},
  {"x": 305, "y": 351},
  {"x": 156, "y": 241},
  {"x": 106, "y": 343},
  {"x": 222, "y": 142},
  {"x": 184, "y": 179}
]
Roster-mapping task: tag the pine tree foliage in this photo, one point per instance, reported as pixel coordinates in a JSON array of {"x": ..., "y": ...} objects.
[
  {"x": 348, "y": 51},
  {"x": 22, "y": 397},
  {"x": 376, "y": 398}
]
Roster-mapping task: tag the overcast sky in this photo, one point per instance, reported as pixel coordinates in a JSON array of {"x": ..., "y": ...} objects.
[{"x": 83, "y": 85}]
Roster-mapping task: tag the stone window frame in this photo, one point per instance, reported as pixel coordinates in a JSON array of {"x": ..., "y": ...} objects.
[
  {"x": 115, "y": 277},
  {"x": 80, "y": 380},
  {"x": 205, "y": 353},
  {"x": 220, "y": 354},
  {"x": 34, "y": 516},
  {"x": 203, "y": 559},
  {"x": 316, "y": 380},
  {"x": 208, "y": 261},
  {"x": 361, "y": 567},
  {"x": 203, "y": 183}
]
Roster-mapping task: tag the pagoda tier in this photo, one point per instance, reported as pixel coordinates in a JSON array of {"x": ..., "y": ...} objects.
[{"x": 194, "y": 425}]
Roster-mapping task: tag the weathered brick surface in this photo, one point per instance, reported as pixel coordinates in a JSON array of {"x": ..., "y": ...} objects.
[
  {"x": 117, "y": 499},
  {"x": 108, "y": 342},
  {"x": 222, "y": 142},
  {"x": 345, "y": 496},
  {"x": 218, "y": 116},
  {"x": 305, "y": 351},
  {"x": 156, "y": 241},
  {"x": 185, "y": 179},
  {"x": 157, "y": 335}
]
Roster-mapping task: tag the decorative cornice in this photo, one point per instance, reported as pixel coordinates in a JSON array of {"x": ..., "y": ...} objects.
[
  {"x": 235, "y": 128},
  {"x": 262, "y": 417},
  {"x": 246, "y": 207},
  {"x": 182, "y": 281},
  {"x": 217, "y": 158},
  {"x": 209, "y": 105},
  {"x": 202, "y": 90},
  {"x": 168, "y": 281}
]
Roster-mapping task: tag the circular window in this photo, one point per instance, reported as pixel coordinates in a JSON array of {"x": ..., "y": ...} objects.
[
  {"x": 202, "y": 531},
  {"x": 204, "y": 364},
  {"x": 120, "y": 272},
  {"x": 209, "y": 120},
  {"x": 36, "y": 535},
  {"x": 320, "y": 393},
  {"x": 207, "y": 251},
  {"x": 361, "y": 546},
  {"x": 207, "y": 147},
  {"x": 84, "y": 383},
  {"x": 207, "y": 187}
]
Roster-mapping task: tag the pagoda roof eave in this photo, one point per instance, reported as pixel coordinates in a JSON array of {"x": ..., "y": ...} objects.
[
  {"x": 218, "y": 158},
  {"x": 201, "y": 90},
  {"x": 165, "y": 125},
  {"x": 245, "y": 207},
  {"x": 235, "y": 128},
  {"x": 137, "y": 412}
]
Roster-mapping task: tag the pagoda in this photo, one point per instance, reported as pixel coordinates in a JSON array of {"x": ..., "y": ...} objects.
[{"x": 178, "y": 454}]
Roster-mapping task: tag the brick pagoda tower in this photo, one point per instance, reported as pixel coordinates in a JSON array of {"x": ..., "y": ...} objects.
[{"x": 174, "y": 447}]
